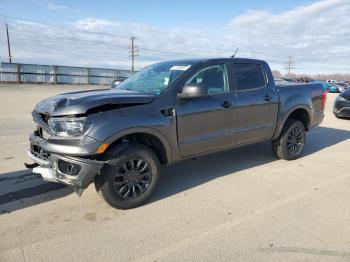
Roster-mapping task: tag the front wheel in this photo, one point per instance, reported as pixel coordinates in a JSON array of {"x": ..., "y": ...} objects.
[
  {"x": 291, "y": 142},
  {"x": 130, "y": 178}
]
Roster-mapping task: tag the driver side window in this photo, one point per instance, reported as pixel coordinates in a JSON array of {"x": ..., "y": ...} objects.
[{"x": 212, "y": 77}]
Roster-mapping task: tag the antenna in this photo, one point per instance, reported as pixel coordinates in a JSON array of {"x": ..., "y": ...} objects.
[{"x": 235, "y": 53}]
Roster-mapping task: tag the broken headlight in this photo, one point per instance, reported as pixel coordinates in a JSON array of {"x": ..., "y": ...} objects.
[{"x": 69, "y": 127}]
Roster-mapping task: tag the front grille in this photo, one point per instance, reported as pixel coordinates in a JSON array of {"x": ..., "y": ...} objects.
[
  {"x": 338, "y": 106},
  {"x": 341, "y": 104}
]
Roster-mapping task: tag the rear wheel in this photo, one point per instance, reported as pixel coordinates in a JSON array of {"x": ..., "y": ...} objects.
[
  {"x": 130, "y": 177},
  {"x": 291, "y": 142}
]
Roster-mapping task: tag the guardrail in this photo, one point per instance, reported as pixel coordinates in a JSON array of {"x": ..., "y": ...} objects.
[{"x": 55, "y": 74}]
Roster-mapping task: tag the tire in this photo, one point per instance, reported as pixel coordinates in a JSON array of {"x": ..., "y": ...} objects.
[
  {"x": 129, "y": 179},
  {"x": 291, "y": 142}
]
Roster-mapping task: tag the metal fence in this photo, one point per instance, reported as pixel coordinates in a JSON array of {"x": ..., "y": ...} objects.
[{"x": 54, "y": 74}]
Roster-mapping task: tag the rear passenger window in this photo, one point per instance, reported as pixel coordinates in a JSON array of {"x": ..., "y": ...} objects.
[{"x": 249, "y": 76}]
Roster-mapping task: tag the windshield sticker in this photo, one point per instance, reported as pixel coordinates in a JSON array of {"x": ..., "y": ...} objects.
[{"x": 180, "y": 68}]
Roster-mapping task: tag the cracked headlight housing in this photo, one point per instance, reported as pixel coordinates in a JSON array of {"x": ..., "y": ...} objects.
[{"x": 69, "y": 127}]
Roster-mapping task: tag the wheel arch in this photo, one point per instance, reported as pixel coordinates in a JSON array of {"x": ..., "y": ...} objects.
[
  {"x": 300, "y": 113},
  {"x": 146, "y": 136}
]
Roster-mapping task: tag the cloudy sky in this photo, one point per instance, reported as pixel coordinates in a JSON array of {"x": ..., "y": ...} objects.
[{"x": 97, "y": 33}]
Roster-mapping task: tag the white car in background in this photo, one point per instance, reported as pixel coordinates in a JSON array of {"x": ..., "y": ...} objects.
[
  {"x": 342, "y": 87},
  {"x": 331, "y": 81}
]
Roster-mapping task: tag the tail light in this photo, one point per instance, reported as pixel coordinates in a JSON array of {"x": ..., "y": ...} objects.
[{"x": 324, "y": 98}]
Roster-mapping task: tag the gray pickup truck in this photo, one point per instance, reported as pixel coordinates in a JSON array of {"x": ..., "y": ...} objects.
[{"x": 118, "y": 138}]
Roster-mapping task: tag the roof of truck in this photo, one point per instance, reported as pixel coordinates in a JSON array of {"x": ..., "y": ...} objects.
[{"x": 227, "y": 59}]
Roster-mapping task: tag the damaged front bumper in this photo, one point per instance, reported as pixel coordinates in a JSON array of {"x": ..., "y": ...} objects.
[{"x": 73, "y": 171}]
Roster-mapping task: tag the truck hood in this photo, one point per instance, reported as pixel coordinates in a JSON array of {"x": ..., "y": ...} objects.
[{"x": 77, "y": 103}]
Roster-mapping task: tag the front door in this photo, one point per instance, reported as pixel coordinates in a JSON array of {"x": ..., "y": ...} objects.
[{"x": 207, "y": 123}]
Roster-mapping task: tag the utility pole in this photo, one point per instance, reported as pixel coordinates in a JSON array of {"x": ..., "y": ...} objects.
[
  {"x": 133, "y": 53},
  {"x": 8, "y": 42},
  {"x": 289, "y": 65}
]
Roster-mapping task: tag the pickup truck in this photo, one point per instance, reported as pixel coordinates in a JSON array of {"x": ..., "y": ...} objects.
[{"x": 118, "y": 138}]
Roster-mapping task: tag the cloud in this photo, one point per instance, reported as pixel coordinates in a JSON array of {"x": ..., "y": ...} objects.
[
  {"x": 94, "y": 23},
  {"x": 316, "y": 35},
  {"x": 50, "y": 5},
  {"x": 54, "y": 7}
]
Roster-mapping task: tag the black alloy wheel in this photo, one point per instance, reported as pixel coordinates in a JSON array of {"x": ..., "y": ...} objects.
[
  {"x": 291, "y": 142},
  {"x": 132, "y": 178},
  {"x": 295, "y": 141}
]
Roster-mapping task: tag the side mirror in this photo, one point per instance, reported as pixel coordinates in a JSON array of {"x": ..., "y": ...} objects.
[{"x": 192, "y": 91}]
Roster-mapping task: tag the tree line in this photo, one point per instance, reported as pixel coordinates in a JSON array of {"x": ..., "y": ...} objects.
[{"x": 336, "y": 76}]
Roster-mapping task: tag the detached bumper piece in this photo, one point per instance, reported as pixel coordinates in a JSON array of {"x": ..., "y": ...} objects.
[{"x": 77, "y": 172}]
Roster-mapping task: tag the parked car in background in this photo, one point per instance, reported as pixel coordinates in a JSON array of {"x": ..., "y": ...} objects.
[
  {"x": 331, "y": 81},
  {"x": 334, "y": 87},
  {"x": 342, "y": 86},
  {"x": 304, "y": 79},
  {"x": 342, "y": 105},
  {"x": 118, "y": 81},
  {"x": 330, "y": 88}
]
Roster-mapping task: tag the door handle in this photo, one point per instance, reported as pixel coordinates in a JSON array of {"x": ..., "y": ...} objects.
[
  {"x": 226, "y": 104},
  {"x": 267, "y": 98}
]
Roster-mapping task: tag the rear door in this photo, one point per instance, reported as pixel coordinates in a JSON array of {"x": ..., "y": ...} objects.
[
  {"x": 257, "y": 103},
  {"x": 207, "y": 123}
]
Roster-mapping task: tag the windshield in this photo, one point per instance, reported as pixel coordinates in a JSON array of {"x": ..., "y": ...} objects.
[{"x": 155, "y": 78}]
